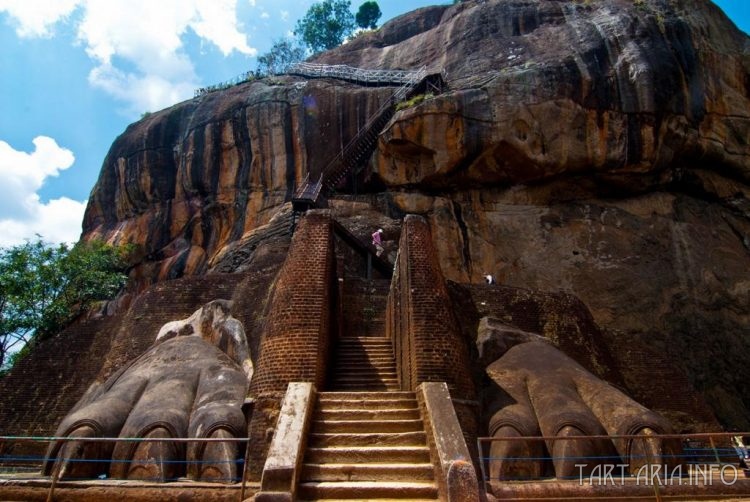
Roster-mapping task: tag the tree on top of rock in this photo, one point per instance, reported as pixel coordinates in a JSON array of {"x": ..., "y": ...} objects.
[
  {"x": 282, "y": 54},
  {"x": 368, "y": 15},
  {"x": 326, "y": 25}
]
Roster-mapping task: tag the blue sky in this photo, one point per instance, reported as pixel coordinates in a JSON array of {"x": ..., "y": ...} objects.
[{"x": 75, "y": 73}]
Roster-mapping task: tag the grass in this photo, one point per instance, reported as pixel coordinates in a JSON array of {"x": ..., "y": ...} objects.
[{"x": 414, "y": 101}]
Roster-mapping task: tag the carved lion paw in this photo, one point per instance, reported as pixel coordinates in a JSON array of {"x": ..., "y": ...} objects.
[
  {"x": 542, "y": 392},
  {"x": 190, "y": 384}
]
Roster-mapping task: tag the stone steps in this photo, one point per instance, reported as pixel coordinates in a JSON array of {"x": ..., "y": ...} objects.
[
  {"x": 368, "y": 414},
  {"x": 359, "y": 499},
  {"x": 367, "y": 454},
  {"x": 364, "y": 341},
  {"x": 389, "y": 367},
  {"x": 368, "y": 472},
  {"x": 364, "y": 396},
  {"x": 354, "y": 426},
  {"x": 349, "y": 360},
  {"x": 413, "y": 438},
  {"x": 364, "y": 363},
  {"x": 364, "y": 490},
  {"x": 351, "y": 356},
  {"x": 367, "y": 446},
  {"x": 365, "y": 349},
  {"x": 377, "y": 402},
  {"x": 376, "y": 386},
  {"x": 367, "y": 376}
]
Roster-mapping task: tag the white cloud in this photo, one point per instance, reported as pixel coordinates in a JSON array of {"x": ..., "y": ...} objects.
[
  {"x": 138, "y": 45},
  {"x": 22, "y": 213},
  {"x": 216, "y": 21},
  {"x": 36, "y": 18},
  {"x": 265, "y": 15},
  {"x": 284, "y": 15},
  {"x": 141, "y": 92}
]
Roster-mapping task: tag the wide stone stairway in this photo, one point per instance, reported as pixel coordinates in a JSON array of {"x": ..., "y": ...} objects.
[{"x": 367, "y": 439}]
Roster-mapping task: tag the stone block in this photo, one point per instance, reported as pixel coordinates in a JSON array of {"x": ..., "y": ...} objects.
[{"x": 282, "y": 467}]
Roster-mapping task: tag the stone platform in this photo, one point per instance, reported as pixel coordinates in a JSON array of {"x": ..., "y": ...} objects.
[{"x": 33, "y": 487}]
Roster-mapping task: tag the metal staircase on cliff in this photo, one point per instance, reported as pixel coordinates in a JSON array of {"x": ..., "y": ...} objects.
[{"x": 363, "y": 143}]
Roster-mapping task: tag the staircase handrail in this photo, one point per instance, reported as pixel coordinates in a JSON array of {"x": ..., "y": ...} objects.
[
  {"x": 313, "y": 192},
  {"x": 413, "y": 78},
  {"x": 398, "y": 95}
]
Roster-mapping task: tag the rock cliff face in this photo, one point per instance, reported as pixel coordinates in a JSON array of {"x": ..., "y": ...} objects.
[{"x": 598, "y": 147}]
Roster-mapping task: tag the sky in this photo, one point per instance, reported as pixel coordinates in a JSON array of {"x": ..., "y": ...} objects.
[{"x": 75, "y": 73}]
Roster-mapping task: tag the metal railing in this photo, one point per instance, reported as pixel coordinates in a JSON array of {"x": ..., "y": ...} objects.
[
  {"x": 344, "y": 72},
  {"x": 338, "y": 164},
  {"x": 407, "y": 79},
  {"x": 29, "y": 467},
  {"x": 312, "y": 70},
  {"x": 239, "y": 79},
  {"x": 702, "y": 459}
]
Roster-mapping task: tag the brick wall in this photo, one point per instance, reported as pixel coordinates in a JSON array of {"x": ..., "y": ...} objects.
[
  {"x": 420, "y": 319},
  {"x": 296, "y": 337},
  {"x": 159, "y": 304}
]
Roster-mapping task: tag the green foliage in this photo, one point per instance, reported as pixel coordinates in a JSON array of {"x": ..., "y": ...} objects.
[
  {"x": 325, "y": 25},
  {"x": 414, "y": 101},
  {"x": 44, "y": 287},
  {"x": 282, "y": 55},
  {"x": 368, "y": 15}
]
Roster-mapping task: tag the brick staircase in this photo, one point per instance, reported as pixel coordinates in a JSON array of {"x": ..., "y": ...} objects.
[
  {"x": 364, "y": 308},
  {"x": 364, "y": 364},
  {"x": 367, "y": 439}
]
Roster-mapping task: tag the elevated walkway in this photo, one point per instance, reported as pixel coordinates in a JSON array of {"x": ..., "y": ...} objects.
[{"x": 358, "y": 75}]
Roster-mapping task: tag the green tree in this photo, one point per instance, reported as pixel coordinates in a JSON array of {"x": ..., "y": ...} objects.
[
  {"x": 325, "y": 25},
  {"x": 44, "y": 287},
  {"x": 282, "y": 55},
  {"x": 368, "y": 15}
]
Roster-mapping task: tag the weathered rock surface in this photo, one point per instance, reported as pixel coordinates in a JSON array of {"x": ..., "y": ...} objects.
[
  {"x": 599, "y": 148},
  {"x": 186, "y": 182}
]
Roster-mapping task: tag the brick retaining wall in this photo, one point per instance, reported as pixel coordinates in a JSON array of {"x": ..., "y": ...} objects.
[
  {"x": 296, "y": 337},
  {"x": 420, "y": 319}
]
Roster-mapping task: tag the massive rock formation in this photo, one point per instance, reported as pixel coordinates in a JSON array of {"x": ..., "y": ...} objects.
[{"x": 597, "y": 148}]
